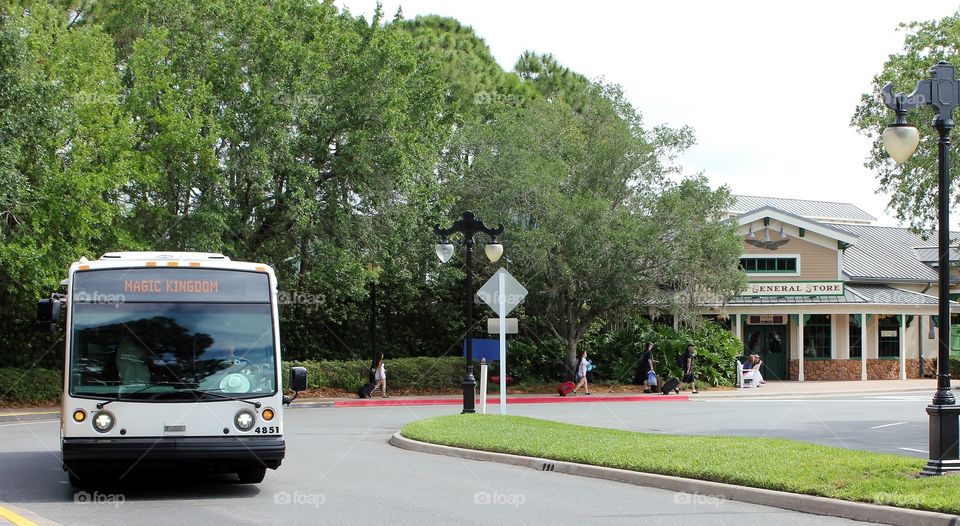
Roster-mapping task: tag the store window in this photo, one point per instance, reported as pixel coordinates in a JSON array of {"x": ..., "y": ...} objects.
[
  {"x": 889, "y": 327},
  {"x": 787, "y": 265},
  {"x": 856, "y": 337},
  {"x": 816, "y": 336}
]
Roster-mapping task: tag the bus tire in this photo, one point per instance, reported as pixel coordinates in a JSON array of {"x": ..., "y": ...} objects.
[
  {"x": 75, "y": 480},
  {"x": 252, "y": 475}
]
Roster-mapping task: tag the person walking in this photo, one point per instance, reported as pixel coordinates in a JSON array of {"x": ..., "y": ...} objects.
[
  {"x": 647, "y": 374},
  {"x": 688, "y": 370},
  {"x": 582, "y": 368},
  {"x": 380, "y": 377}
]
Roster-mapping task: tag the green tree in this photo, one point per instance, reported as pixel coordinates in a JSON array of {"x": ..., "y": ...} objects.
[
  {"x": 912, "y": 186},
  {"x": 471, "y": 77},
  {"x": 286, "y": 132},
  {"x": 64, "y": 158},
  {"x": 594, "y": 226}
]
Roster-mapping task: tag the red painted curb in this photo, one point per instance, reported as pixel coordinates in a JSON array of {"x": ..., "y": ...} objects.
[{"x": 511, "y": 401}]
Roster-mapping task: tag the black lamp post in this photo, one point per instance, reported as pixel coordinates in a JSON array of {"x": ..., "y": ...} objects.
[
  {"x": 942, "y": 91},
  {"x": 374, "y": 269},
  {"x": 468, "y": 226}
]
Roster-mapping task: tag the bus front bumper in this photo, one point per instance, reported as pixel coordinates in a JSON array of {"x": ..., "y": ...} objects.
[{"x": 223, "y": 452}]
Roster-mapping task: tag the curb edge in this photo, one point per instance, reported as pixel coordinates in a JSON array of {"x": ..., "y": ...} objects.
[{"x": 859, "y": 511}]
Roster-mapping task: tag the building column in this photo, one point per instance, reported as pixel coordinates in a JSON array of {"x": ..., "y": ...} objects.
[
  {"x": 863, "y": 347},
  {"x": 903, "y": 346},
  {"x": 800, "y": 355},
  {"x": 735, "y": 319}
]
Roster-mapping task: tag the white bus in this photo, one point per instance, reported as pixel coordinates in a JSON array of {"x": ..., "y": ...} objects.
[{"x": 172, "y": 360}]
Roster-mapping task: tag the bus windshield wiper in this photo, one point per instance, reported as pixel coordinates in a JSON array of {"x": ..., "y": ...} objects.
[
  {"x": 218, "y": 393},
  {"x": 120, "y": 396}
]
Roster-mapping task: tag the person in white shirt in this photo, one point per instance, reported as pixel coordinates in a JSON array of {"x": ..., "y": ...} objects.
[
  {"x": 582, "y": 374},
  {"x": 380, "y": 377}
]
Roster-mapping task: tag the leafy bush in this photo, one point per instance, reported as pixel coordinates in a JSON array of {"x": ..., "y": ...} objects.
[
  {"x": 402, "y": 373},
  {"x": 617, "y": 353},
  {"x": 531, "y": 363},
  {"x": 34, "y": 385}
]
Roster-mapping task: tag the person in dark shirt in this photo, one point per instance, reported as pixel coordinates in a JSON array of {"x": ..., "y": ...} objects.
[
  {"x": 688, "y": 372},
  {"x": 646, "y": 367}
]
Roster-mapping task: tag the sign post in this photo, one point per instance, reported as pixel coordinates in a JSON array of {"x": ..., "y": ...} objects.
[
  {"x": 503, "y": 343},
  {"x": 483, "y": 386},
  {"x": 502, "y": 293}
]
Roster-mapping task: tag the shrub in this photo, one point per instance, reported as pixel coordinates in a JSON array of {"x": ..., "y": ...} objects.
[
  {"x": 536, "y": 363},
  {"x": 33, "y": 385},
  {"x": 402, "y": 373},
  {"x": 617, "y": 353}
]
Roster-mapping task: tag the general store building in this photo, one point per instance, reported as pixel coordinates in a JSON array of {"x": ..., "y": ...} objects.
[{"x": 831, "y": 296}]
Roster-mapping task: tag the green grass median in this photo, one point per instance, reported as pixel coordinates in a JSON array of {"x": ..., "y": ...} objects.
[{"x": 770, "y": 463}]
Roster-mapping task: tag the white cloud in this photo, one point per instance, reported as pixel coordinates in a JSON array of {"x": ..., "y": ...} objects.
[{"x": 769, "y": 87}]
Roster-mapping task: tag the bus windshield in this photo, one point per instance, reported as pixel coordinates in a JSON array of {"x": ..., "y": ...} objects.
[{"x": 172, "y": 334}]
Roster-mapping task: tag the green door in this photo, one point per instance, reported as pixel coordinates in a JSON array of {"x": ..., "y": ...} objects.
[
  {"x": 770, "y": 342},
  {"x": 775, "y": 353}
]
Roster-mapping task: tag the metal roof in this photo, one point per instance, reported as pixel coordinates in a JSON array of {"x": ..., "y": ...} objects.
[
  {"x": 885, "y": 253},
  {"x": 932, "y": 254},
  {"x": 820, "y": 210},
  {"x": 859, "y": 293},
  {"x": 884, "y": 295}
]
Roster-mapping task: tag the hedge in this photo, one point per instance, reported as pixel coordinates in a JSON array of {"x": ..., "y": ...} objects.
[
  {"x": 43, "y": 385},
  {"x": 402, "y": 373},
  {"x": 34, "y": 385}
]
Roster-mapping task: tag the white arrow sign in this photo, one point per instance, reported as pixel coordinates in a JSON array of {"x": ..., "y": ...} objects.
[
  {"x": 514, "y": 292},
  {"x": 502, "y": 293}
]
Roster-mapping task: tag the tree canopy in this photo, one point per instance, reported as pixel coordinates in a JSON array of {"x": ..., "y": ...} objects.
[
  {"x": 327, "y": 145},
  {"x": 912, "y": 186}
]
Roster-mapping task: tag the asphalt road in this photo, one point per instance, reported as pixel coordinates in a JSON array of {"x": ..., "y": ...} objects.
[
  {"x": 340, "y": 470},
  {"x": 894, "y": 423}
]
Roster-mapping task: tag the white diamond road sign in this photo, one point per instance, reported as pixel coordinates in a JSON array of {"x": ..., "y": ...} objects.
[{"x": 514, "y": 292}]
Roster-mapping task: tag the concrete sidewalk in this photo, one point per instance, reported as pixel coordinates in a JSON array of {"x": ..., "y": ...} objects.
[
  {"x": 803, "y": 389},
  {"x": 767, "y": 390}
]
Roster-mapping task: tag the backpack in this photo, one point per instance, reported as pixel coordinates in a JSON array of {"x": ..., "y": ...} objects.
[{"x": 682, "y": 360}]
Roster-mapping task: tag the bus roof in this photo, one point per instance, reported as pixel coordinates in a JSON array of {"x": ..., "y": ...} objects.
[
  {"x": 163, "y": 256},
  {"x": 166, "y": 259}
]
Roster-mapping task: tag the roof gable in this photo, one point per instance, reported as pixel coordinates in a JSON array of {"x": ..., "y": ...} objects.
[
  {"x": 825, "y": 211},
  {"x": 826, "y": 230}
]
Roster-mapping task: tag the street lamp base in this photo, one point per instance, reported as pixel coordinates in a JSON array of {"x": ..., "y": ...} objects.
[
  {"x": 944, "y": 434},
  {"x": 469, "y": 396}
]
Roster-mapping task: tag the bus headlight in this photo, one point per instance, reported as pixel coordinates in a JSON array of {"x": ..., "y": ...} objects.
[
  {"x": 103, "y": 421},
  {"x": 244, "y": 420}
]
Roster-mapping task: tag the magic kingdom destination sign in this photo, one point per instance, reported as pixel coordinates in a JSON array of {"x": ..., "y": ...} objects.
[{"x": 794, "y": 288}]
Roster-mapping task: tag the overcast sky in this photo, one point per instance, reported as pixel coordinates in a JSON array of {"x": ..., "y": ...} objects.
[{"x": 769, "y": 87}]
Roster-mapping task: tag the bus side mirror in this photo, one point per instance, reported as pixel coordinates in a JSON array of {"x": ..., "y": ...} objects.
[
  {"x": 298, "y": 382},
  {"x": 48, "y": 312},
  {"x": 298, "y": 378}
]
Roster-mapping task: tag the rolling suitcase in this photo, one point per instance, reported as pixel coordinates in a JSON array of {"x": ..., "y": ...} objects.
[
  {"x": 566, "y": 388},
  {"x": 364, "y": 392},
  {"x": 670, "y": 385}
]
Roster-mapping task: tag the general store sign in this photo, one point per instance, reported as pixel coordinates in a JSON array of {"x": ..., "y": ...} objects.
[{"x": 794, "y": 288}]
